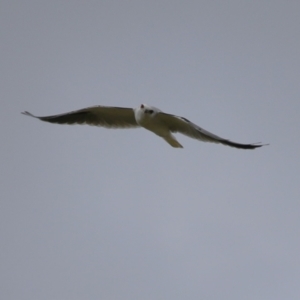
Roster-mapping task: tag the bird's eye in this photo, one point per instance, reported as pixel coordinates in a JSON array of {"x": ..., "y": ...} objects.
[{"x": 150, "y": 111}]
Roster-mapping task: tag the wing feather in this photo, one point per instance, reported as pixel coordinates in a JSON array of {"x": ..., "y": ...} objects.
[
  {"x": 105, "y": 116},
  {"x": 188, "y": 128}
]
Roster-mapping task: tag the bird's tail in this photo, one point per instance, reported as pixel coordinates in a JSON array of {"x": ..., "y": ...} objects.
[{"x": 172, "y": 141}]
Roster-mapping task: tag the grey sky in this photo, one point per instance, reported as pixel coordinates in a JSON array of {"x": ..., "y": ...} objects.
[{"x": 91, "y": 213}]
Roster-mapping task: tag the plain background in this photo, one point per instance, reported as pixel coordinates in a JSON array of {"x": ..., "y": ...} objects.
[{"x": 92, "y": 213}]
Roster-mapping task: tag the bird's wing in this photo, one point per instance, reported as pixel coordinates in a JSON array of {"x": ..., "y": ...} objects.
[
  {"x": 186, "y": 127},
  {"x": 110, "y": 117}
]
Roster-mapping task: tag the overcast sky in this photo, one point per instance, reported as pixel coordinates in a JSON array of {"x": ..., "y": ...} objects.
[{"x": 92, "y": 213}]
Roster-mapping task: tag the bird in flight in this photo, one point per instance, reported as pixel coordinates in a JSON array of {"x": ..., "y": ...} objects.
[{"x": 148, "y": 117}]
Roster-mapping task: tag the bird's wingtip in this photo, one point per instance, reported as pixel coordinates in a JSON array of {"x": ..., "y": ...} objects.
[
  {"x": 260, "y": 144},
  {"x": 244, "y": 146},
  {"x": 26, "y": 113}
]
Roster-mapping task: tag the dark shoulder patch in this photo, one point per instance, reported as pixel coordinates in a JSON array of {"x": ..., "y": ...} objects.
[{"x": 184, "y": 119}]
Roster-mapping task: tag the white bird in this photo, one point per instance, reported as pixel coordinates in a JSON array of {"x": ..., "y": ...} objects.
[{"x": 149, "y": 117}]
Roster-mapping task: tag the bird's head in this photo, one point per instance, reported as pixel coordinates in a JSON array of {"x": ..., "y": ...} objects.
[
  {"x": 147, "y": 110},
  {"x": 145, "y": 113}
]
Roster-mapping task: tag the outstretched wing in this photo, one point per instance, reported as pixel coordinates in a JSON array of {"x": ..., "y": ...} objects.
[
  {"x": 105, "y": 116},
  {"x": 186, "y": 127}
]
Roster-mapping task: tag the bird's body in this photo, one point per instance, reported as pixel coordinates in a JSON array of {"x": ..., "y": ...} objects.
[{"x": 148, "y": 117}]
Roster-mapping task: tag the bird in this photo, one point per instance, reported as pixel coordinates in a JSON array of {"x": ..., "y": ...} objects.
[{"x": 148, "y": 117}]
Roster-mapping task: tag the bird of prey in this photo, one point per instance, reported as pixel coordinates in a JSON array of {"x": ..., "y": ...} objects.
[{"x": 148, "y": 117}]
